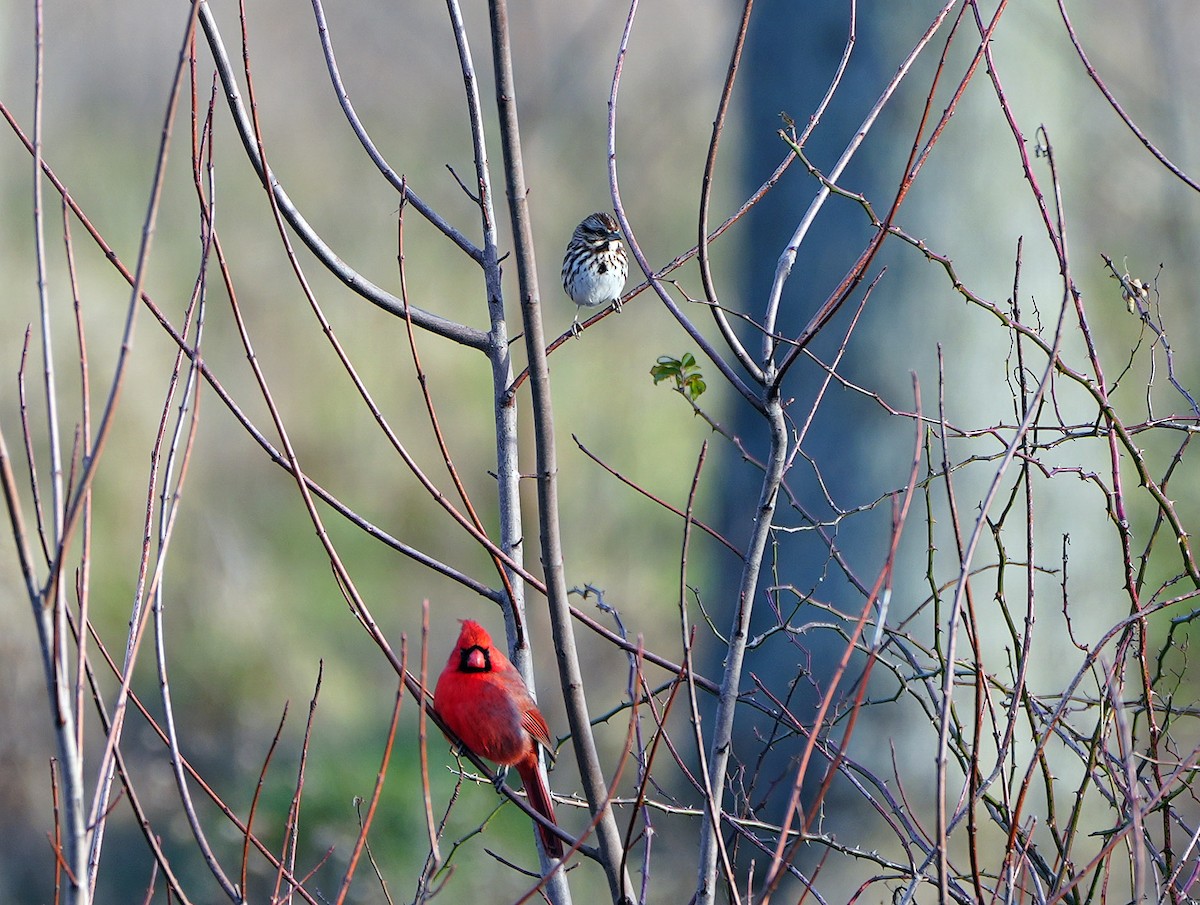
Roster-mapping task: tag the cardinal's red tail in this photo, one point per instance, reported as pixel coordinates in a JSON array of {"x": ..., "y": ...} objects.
[{"x": 539, "y": 799}]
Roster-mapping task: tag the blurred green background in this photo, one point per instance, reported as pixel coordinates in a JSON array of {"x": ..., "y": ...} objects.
[{"x": 252, "y": 606}]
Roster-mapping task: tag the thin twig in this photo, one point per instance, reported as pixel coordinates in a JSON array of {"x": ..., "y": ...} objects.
[
  {"x": 460, "y": 333},
  {"x": 361, "y": 841}
]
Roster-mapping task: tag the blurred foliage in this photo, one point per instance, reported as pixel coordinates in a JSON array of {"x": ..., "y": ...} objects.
[{"x": 252, "y": 608}]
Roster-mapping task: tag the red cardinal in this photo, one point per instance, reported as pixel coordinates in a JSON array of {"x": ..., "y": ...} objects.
[{"x": 482, "y": 698}]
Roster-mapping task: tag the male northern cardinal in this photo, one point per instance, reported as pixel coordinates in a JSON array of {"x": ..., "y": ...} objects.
[{"x": 482, "y": 698}]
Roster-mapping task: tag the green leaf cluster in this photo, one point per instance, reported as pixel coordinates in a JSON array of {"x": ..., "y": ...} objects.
[{"x": 683, "y": 371}]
